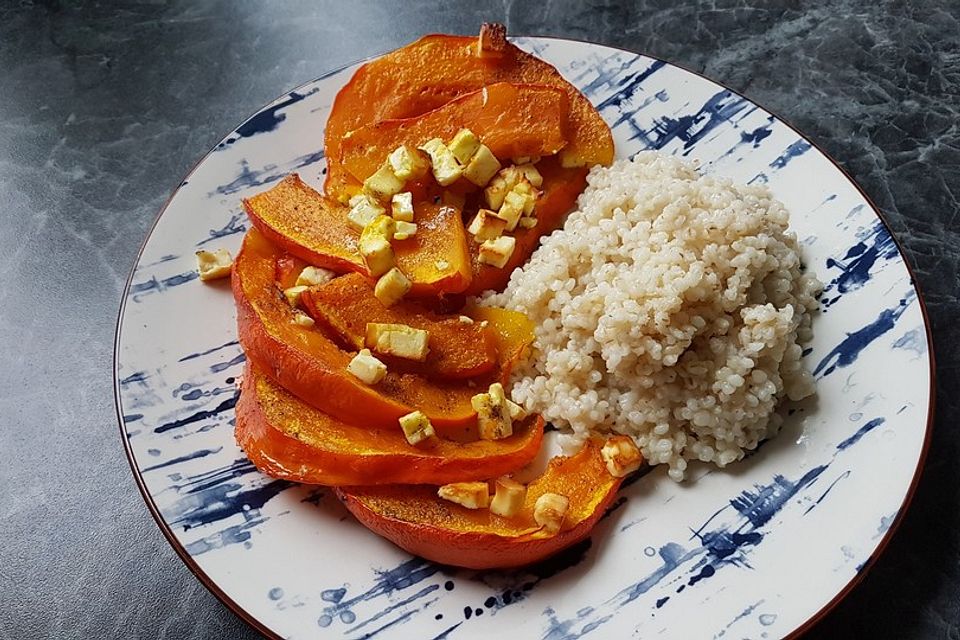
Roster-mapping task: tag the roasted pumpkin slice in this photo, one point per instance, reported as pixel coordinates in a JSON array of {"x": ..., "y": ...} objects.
[
  {"x": 459, "y": 347},
  {"x": 315, "y": 229},
  {"x": 415, "y": 519},
  {"x": 511, "y": 120},
  {"x": 560, "y": 189},
  {"x": 434, "y": 70},
  {"x": 287, "y": 438},
  {"x": 312, "y": 366}
]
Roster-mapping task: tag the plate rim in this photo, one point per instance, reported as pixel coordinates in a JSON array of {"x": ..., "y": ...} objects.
[{"x": 800, "y": 630}]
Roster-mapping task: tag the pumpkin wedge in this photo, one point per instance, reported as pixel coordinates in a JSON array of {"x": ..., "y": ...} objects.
[
  {"x": 458, "y": 348},
  {"x": 436, "y": 69},
  {"x": 416, "y": 520},
  {"x": 314, "y": 228},
  {"x": 560, "y": 189},
  {"x": 287, "y": 438},
  {"x": 511, "y": 120},
  {"x": 313, "y": 367}
]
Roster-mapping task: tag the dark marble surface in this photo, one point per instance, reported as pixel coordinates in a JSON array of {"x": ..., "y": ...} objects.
[{"x": 103, "y": 107}]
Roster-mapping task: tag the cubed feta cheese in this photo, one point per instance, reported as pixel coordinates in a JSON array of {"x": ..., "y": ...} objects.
[
  {"x": 516, "y": 204},
  {"x": 486, "y": 225},
  {"x": 516, "y": 411},
  {"x": 493, "y": 414},
  {"x": 363, "y": 211},
  {"x": 375, "y": 246},
  {"x": 493, "y": 40},
  {"x": 383, "y": 184},
  {"x": 508, "y": 497},
  {"x": 464, "y": 145},
  {"x": 496, "y": 191},
  {"x": 418, "y": 429},
  {"x": 550, "y": 510},
  {"x": 367, "y": 368},
  {"x": 313, "y": 276},
  {"x": 302, "y": 319},
  {"x": 212, "y": 265},
  {"x": 446, "y": 169},
  {"x": 531, "y": 173},
  {"x": 404, "y": 230},
  {"x": 525, "y": 190},
  {"x": 408, "y": 163},
  {"x": 482, "y": 166},
  {"x": 402, "y": 206},
  {"x": 391, "y": 287},
  {"x": 381, "y": 226},
  {"x": 511, "y": 210},
  {"x": 293, "y": 294},
  {"x": 398, "y": 340},
  {"x": 621, "y": 455},
  {"x": 501, "y": 184},
  {"x": 498, "y": 251},
  {"x": 472, "y": 495}
]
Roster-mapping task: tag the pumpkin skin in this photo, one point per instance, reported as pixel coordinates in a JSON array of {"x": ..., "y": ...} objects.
[{"x": 416, "y": 520}]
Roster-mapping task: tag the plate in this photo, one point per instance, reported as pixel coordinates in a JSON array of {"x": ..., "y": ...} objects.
[{"x": 760, "y": 550}]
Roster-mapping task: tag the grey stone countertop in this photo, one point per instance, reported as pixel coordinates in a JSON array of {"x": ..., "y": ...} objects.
[{"x": 104, "y": 107}]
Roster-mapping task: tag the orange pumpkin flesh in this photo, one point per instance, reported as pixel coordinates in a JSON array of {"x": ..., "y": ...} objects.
[
  {"x": 415, "y": 519},
  {"x": 314, "y": 228},
  {"x": 286, "y": 438},
  {"x": 512, "y": 120},
  {"x": 435, "y": 69},
  {"x": 313, "y": 367},
  {"x": 457, "y": 349}
]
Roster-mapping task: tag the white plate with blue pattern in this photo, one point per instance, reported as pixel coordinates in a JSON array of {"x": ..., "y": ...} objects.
[{"x": 758, "y": 551}]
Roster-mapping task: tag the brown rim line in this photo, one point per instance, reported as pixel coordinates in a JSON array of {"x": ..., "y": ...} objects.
[{"x": 268, "y": 633}]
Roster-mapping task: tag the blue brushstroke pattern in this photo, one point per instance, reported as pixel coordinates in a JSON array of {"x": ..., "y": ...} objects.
[
  {"x": 722, "y": 546},
  {"x": 842, "y": 476},
  {"x": 403, "y": 576},
  {"x": 249, "y": 178},
  {"x": 270, "y": 118},
  {"x": 226, "y": 405},
  {"x": 212, "y": 496},
  {"x": 858, "y": 262},
  {"x": 402, "y": 603},
  {"x": 154, "y": 285},
  {"x": 913, "y": 340},
  {"x": 139, "y": 377},
  {"x": 202, "y": 453},
  {"x": 690, "y": 129},
  {"x": 223, "y": 366},
  {"x": 846, "y": 353},
  {"x": 740, "y": 616},
  {"x": 232, "y": 343},
  {"x": 795, "y": 150},
  {"x": 862, "y": 431},
  {"x": 236, "y": 224}
]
